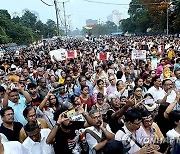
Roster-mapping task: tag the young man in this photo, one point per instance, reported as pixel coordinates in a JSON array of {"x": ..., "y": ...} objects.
[
  {"x": 127, "y": 135},
  {"x": 102, "y": 131}
]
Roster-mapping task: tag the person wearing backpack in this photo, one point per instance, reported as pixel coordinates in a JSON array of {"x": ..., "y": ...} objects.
[{"x": 98, "y": 135}]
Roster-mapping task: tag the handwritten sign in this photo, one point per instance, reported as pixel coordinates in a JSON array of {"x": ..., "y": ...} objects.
[{"x": 138, "y": 54}]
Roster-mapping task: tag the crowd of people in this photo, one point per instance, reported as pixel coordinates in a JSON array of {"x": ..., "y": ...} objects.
[{"x": 86, "y": 105}]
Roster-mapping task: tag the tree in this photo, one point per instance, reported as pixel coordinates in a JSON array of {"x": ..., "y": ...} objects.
[
  {"x": 29, "y": 20},
  {"x": 50, "y": 28}
]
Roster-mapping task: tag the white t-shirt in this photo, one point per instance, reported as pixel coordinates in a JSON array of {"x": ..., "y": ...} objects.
[
  {"x": 172, "y": 134},
  {"x": 39, "y": 147},
  {"x": 14, "y": 147},
  {"x": 156, "y": 93},
  {"x": 125, "y": 137}
]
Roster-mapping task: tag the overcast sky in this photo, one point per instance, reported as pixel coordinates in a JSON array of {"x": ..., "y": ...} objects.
[{"x": 77, "y": 10}]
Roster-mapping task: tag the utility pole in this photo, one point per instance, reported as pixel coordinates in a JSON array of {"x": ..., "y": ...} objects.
[
  {"x": 57, "y": 18},
  {"x": 65, "y": 23}
]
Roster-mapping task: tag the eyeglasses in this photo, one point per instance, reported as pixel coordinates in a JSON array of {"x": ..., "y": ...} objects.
[{"x": 111, "y": 79}]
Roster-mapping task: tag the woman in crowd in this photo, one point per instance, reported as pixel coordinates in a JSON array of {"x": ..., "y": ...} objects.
[
  {"x": 45, "y": 111},
  {"x": 100, "y": 87},
  {"x": 101, "y": 105},
  {"x": 85, "y": 97}
]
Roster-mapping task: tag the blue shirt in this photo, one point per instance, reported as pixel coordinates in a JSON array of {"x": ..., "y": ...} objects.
[
  {"x": 77, "y": 89},
  {"x": 18, "y": 110}
]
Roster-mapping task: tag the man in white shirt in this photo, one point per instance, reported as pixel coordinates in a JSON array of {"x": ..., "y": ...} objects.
[
  {"x": 156, "y": 91},
  {"x": 11, "y": 147},
  {"x": 35, "y": 143},
  {"x": 97, "y": 136},
  {"x": 168, "y": 94},
  {"x": 177, "y": 82},
  {"x": 128, "y": 134}
]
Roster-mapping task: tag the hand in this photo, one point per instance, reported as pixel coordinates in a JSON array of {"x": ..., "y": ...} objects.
[
  {"x": 168, "y": 92},
  {"x": 18, "y": 87},
  {"x": 130, "y": 101},
  {"x": 8, "y": 89},
  {"x": 80, "y": 109},
  {"x": 49, "y": 93},
  {"x": 62, "y": 118}
]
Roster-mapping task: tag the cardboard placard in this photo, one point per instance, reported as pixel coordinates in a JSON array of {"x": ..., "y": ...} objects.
[{"x": 138, "y": 54}]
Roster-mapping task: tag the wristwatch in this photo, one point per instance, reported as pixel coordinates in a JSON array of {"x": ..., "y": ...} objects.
[{"x": 57, "y": 124}]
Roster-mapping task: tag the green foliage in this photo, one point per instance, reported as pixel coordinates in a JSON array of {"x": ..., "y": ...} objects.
[
  {"x": 144, "y": 14},
  {"x": 25, "y": 29}
]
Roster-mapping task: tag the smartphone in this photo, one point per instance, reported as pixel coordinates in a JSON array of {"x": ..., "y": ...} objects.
[{"x": 149, "y": 101}]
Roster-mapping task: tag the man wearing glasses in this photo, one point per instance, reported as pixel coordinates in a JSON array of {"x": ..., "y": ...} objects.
[{"x": 10, "y": 128}]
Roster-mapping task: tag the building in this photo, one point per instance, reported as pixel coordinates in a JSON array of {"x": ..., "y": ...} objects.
[
  {"x": 115, "y": 17},
  {"x": 90, "y": 22}
]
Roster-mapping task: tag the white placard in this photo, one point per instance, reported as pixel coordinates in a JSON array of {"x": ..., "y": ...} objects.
[{"x": 138, "y": 54}]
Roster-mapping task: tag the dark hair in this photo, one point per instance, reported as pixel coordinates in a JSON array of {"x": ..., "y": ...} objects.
[
  {"x": 57, "y": 102},
  {"x": 60, "y": 85},
  {"x": 132, "y": 115},
  {"x": 100, "y": 80},
  {"x": 174, "y": 116},
  {"x": 31, "y": 126},
  {"x": 164, "y": 81},
  {"x": 148, "y": 94},
  {"x": 91, "y": 112},
  {"x": 31, "y": 85},
  {"x": 84, "y": 86},
  {"x": 136, "y": 80},
  {"x": 26, "y": 110},
  {"x": 80, "y": 78},
  {"x": 14, "y": 90},
  {"x": 145, "y": 113},
  {"x": 100, "y": 95},
  {"x": 119, "y": 74},
  {"x": 4, "y": 109},
  {"x": 146, "y": 76},
  {"x": 135, "y": 87},
  {"x": 2, "y": 89},
  {"x": 59, "y": 111},
  {"x": 154, "y": 79}
]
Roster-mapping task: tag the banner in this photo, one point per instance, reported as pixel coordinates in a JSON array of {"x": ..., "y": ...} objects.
[
  {"x": 72, "y": 54},
  {"x": 103, "y": 56},
  {"x": 60, "y": 54},
  {"x": 138, "y": 54}
]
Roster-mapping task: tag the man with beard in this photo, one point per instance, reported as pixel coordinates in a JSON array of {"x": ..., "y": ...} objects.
[
  {"x": 64, "y": 132},
  {"x": 98, "y": 135},
  {"x": 10, "y": 128},
  {"x": 36, "y": 99},
  {"x": 42, "y": 89}
]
